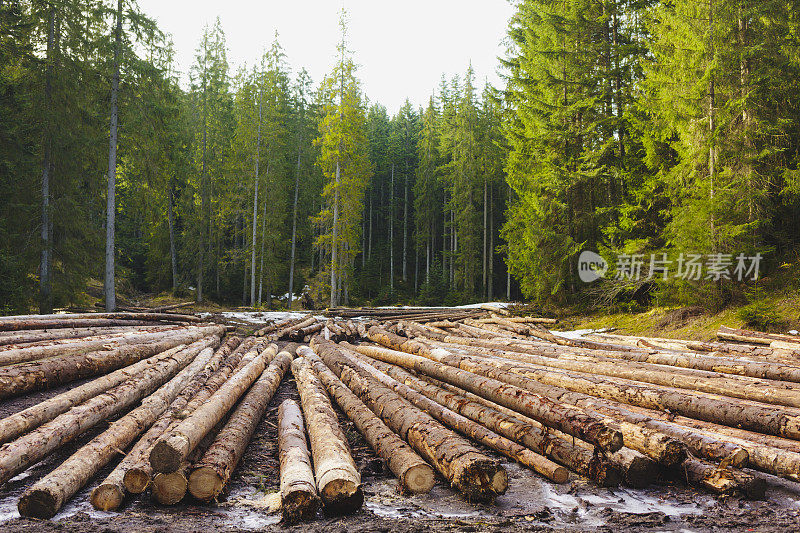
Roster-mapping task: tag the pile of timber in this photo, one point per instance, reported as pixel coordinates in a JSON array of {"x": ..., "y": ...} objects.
[{"x": 430, "y": 392}]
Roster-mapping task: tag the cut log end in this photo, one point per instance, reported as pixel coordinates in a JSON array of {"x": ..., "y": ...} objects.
[
  {"x": 205, "y": 483},
  {"x": 169, "y": 489},
  {"x": 299, "y": 505},
  {"x": 609, "y": 439},
  {"x": 107, "y": 497},
  {"x": 419, "y": 479},
  {"x": 481, "y": 480},
  {"x": 559, "y": 475},
  {"x": 38, "y": 504},
  {"x": 341, "y": 496},
  {"x": 136, "y": 480},
  {"x": 164, "y": 458}
]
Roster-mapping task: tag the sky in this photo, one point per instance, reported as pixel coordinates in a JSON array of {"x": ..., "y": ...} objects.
[{"x": 402, "y": 47}]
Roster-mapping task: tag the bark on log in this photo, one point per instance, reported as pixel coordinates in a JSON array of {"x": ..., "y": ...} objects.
[
  {"x": 139, "y": 472},
  {"x": 414, "y": 474},
  {"x": 528, "y": 432},
  {"x": 288, "y": 330},
  {"x": 172, "y": 449},
  {"x": 210, "y": 475},
  {"x": 335, "y": 472},
  {"x": 701, "y": 406},
  {"x": 304, "y": 332},
  {"x": 723, "y": 480},
  {"x": 88, "y": 320},
  {"x": 39, "y": 336},
  {"x": 46, "y": 373},
  {"x": 299, "y": 500},
  {"x": 46, "y": 497},
  {"x": 266, "y": 330},
  {"x": 35, "y": 353},
  {"x": 30, "y": 448},
  {"x": 565, "y": 418},
  {"x": 110, "y": 494},
  {"x": 384, "y": 374},
  {"x": 469, "y": 471}
]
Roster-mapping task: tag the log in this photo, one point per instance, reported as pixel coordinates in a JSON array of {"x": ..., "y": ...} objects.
[
  {"x": 475, "y": 431},
  {"x": 110, "y": 494},
  {"x": 302, "y": 333},
  {"x": 701, "y": 406},
  {"x": 415, "y": 475},
  {"x": 565, "y": 418},
  {"x": 288, "y": 330},
  {"x": 335, "y": 472},
  {"x": 723, "y": 480},
  {"x": 47, "y": 373},
  {"x": 48, "y": 495},
  {"x": 469, "y": 471},
  {"x": 278, "y": 325},
  {"x": 529, "y": 433},
  {"x": 87, "y": 320},
  {"x": 210, "y": 475},
  {"x": 34, "y": 337},
  {"x": 299, "y": 500},
  {"x": 35, "y": 353},
  {"x": 17, "y": 455},
  {"x": 139, "y": 472},
  {"x": 174, "y": 448}
]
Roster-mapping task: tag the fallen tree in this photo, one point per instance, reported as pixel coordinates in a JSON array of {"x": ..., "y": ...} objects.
[
  {"x": 335, "y": 472},
  {"x": 45, "y": 497},
  {"x": 17, "y": 455},
  {"x": 47, "y": 373},
  {"x": 468, "y": 470},
  {"x": 174, "y": 448},
  {"x": 212, "y": 472},
  {"x": 415, "y": 475},
  {"x": 299, "y": 500},
  {"x": 110, "y": 494}
]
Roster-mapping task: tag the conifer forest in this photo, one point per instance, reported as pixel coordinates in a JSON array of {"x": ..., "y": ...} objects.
[{"x": 647, "y": 132}]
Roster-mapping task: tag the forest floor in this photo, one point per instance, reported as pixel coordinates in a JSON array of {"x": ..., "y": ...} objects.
[{"x": 531, "y": 503}]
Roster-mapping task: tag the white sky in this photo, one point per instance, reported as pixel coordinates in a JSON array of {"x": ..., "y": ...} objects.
[{"x": 402, "y": 47}]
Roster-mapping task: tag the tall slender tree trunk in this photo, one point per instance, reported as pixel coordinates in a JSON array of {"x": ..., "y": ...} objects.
[
  {"x": 428, "y": 258},
  {"x": 294, "y": 226},
  {"x": 369, "y": 248},
  {"x": 255, "y": 210},
  {"x": 712, "y": 150},
  {"x": 203, "y": 191},
  {"x": 491, "y": 245},
  {"x": 263, "y": 238},
  {"x": 171, "y": 219},
  {"x": 391, "y": 233},
  {"x": 405, "y": 224},
  {"x": 45, "y": 282},
  {"x": 110, "y": 293},
  {"x": 335, "y": 243},
  {"x": 485, "y": 235}
]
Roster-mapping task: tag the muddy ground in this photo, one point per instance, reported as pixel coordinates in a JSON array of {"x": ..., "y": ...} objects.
[{"x": 531, "y": 503}]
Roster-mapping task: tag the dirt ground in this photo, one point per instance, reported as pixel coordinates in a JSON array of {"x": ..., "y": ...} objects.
[{"x": 531, "y": 503}]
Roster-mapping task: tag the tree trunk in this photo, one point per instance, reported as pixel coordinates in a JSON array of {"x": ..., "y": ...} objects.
[
  {"x": 391, "y": 233},
  {"x": 472, "y": 473},
  {"x": 475, "y": 431},
  {"x": 174, "y": 448},
  {"x": 337, "y": 478},
  {"x": 139, "y": 471},
  {"x": 110, "y": 293},
  {"x": 210, "y": 475},
  {"x": 47, "y": 373},
  {"x": 568, "y": 419},
  {"x": 173, "y": 257},
  {"x": 299, "y": 500},
  {"x": 42, "y": 337},
  {"x": 109, "y": 494},
  {"x": 263, "y": 238},
  {"x": 48, "y": 495},
  {"x": 294, "y": 229},
  {"x": 405, "y": 224},
  {"x": 485, "y": 235},
  {"x": 45, "y": 281},
  {"x": 722, "y": 480},
  {"x": 414, "y": 474},
  {"x": 16, "y": 456}
]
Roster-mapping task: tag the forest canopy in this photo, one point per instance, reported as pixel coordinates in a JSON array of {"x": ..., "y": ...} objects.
[{"x": 662, "y": 136}]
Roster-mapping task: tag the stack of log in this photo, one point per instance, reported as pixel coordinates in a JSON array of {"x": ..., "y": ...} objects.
[{"x": 432, "y": 392}]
